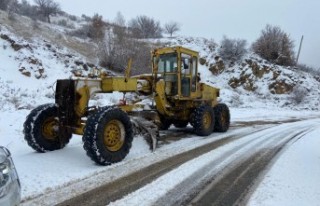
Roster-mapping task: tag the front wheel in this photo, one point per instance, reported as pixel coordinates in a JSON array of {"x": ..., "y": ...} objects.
[
  {"x": 41, "y": 129},
  {"x": 108, "y": 136}
]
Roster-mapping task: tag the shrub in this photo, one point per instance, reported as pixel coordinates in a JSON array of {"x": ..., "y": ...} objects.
[
  {"x": 95, "y": 29},
  {"x": 275, "y": 45},
  {"x": 232, "y": 49},
  {"x": 211, "y": 44},
  {"x": 15, "y": 100},
  {"x": 47, "y": 8},
  {"x": 308, "y": 69},
  {"x": 4, "y": 4},
  {"x": 298, "y": 94},
  {"x": 236, "y": 100},
  {"x": 145, "y": 27},
  {"x": 11, "y": 16},
  {"x": 63, "y": 23},
  {"x": 24, "y": 8},
  {"x": 83, "y": 32},
  {"x": 72, "y": 17},
  {"x": 12, "y": 9},
  {"x": 35, "y": 24},
  {"x": 85, "y": 17}
]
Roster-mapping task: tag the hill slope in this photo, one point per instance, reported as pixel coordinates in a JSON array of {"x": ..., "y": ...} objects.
[{"x": 34, "y": 59}]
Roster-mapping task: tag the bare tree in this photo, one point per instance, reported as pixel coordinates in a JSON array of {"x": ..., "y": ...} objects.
[
  {"x": 171, "y": 28},
  {"x": 26, "y": 9},
  {"x": 12, "y": 8},
  {"x": 275, "y": 45},
  {"x": 145, "y": 27},
  {"x": 94, "y": 29},
  {"x": 120, "y": 29},
  {"x": 98, "y": 27},
  {"x": 120, "y": 20},
  {"x": 47, "y": 8},
  {"x": 114, "y": 54},
  {"x": 232, "y": 49},
  {"x": 4, "y": 4}
]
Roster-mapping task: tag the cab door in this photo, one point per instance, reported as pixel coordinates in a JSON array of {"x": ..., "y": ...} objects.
[{"x": 188, "y": 75}]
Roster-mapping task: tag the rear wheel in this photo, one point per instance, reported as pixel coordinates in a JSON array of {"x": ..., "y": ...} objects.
[
  {"x": 203, "y": 120},
  {"x": 41, "y": 129},
  {"x": 222, "y": 117},
  {"x": 108, "y": 136}
]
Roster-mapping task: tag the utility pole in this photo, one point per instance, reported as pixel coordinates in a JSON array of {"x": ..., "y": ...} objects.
[{"x": 299, "y": 50}]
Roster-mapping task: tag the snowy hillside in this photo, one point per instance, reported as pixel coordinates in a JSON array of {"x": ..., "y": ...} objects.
[
  {"x": 33, "y": 63},
  {"x": 30, "y": 68}
]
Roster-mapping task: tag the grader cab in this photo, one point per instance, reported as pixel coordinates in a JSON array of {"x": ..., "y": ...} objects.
[{"x": 176, "y": 94}]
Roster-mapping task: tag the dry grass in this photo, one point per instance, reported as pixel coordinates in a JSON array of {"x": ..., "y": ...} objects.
[{"x": 29, "y": 29}]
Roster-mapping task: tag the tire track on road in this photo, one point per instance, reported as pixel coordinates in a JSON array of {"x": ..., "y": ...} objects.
[
  {"x": 117, "y": 189},
  {"x": 233, "y": 188},
  {"x": 217, "y": 168}
]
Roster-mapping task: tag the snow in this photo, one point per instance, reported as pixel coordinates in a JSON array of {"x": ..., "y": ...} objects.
[
  {"x": 277, "y": 187},
  {"x": 294, "y": 177},
  {"x": 46, "y": 172}
]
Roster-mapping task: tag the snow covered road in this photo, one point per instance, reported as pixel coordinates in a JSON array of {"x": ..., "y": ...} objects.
[
  {"x": 226, "y": 175},
  {"x": 55, "y": 177}
]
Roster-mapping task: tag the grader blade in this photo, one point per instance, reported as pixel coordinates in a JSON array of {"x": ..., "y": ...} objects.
[{"x": 147, "y": 129}]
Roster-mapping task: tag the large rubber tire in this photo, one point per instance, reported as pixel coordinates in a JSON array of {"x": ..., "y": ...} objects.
[
  {"x": 222, "y": 117},
  {"x": 108, "y": 136},
  {"x": 203, "y": 120},
  {"x": 180, "y": 124},
  {"x": 41, "y": 129}
]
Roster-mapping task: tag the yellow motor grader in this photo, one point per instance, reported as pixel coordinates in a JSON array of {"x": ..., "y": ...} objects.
[{"x": 177, "y": 98}]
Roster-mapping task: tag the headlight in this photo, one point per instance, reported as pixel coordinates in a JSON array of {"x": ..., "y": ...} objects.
[
  {"x": 8, "y": 174},
  {"x": 5, "y": 167},
  {"x": 5, "y": 177}
]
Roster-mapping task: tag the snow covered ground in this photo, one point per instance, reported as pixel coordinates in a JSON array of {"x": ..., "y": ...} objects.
[
  {"x": 297, "y": 169},
  {"x": 294, "y": 178}
]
